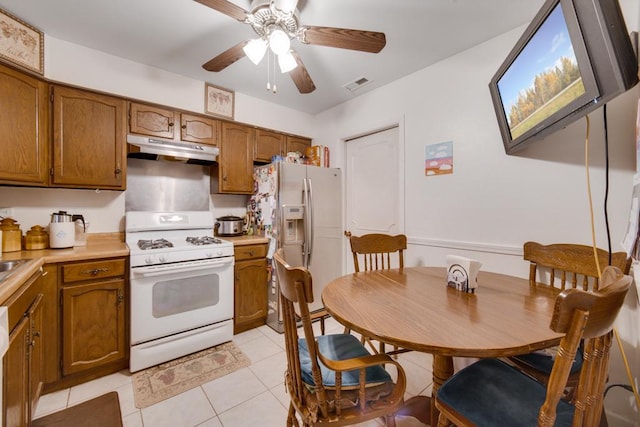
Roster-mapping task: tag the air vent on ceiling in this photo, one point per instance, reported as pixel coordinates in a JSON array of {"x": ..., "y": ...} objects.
[{"x": 357, "y": 84}]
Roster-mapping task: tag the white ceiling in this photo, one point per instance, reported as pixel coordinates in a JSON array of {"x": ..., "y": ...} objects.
[{"x": 181, "y": 35}]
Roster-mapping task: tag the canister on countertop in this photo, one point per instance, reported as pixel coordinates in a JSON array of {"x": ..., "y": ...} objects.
[
  {"x": 11, "y": 235},
  {"x": 36, "y": 238}
]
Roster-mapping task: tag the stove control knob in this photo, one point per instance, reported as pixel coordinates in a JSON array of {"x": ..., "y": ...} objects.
[
  {"x": 208, "y": 255},
  {"x": 163, "y": 258},
  {"x": 220, "y": 252},
  {"x": 148, "y": 260}
]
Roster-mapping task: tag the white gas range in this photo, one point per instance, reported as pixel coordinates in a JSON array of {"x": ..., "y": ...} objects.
[{"x": 181, "y": 285}]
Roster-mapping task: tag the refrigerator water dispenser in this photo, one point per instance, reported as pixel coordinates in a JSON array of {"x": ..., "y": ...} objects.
[{"x": 293, "y": 224}]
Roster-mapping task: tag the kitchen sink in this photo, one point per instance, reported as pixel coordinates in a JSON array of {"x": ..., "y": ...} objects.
[{"x": 8, "y": 267}]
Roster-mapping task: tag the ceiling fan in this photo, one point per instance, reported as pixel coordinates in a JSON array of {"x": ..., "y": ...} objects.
[{"x": 276, "y": 22}]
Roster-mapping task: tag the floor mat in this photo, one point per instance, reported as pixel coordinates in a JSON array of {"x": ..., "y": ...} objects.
[
  {"x": 169, "y": 379},
  {"x": 102, "y": 411}
]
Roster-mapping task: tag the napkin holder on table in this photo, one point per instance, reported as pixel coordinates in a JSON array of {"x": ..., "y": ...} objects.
[{"x": 462, "y": 273}]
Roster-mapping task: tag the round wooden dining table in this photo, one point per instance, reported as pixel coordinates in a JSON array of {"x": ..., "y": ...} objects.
[{"x": 413, "y": 308}]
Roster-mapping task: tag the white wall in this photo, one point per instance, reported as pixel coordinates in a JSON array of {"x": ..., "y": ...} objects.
[{"x": 493, "y": 203}]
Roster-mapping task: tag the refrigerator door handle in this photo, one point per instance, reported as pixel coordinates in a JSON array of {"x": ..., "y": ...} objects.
[
  {"x": 305, "y": 201},
  {"x": 311, "y": 219}
]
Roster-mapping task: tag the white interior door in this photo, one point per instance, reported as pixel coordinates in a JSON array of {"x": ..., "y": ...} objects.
[{"x": 374, "y": 186}]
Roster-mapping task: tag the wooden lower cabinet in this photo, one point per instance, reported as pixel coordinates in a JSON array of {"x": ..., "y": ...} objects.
[
  {"x": 250, "y": 287},
  {"x": 23, "y": 361},
  {"x": 93, "y": 325},
  {"x": 16, "y": 376},
  {"x": 94, "y": 313}
]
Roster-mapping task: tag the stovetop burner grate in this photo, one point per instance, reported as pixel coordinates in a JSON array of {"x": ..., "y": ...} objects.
[
  {"x": 154, "y": 244},
  {"x": 203, "y": 240}
]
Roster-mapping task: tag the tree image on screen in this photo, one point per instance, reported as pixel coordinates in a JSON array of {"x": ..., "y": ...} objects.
[
  {"x": 551, "y": 91},
  {"x": 543, "y": 78}
]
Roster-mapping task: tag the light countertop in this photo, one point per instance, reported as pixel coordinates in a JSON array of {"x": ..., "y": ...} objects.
[{"x": 98, "y": 246}]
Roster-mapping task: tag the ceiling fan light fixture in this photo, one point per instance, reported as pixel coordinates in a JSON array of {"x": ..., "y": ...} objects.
[
  {"x": 285, "y": 6},
  {"x": 255, "y": 50},
  {"x": 279, "y": 42},
  {"x": 287, "y": 62}
]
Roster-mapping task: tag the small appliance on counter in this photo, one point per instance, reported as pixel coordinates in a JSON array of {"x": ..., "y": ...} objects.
[
  {"x": 62, "y": 231},
  {"x": 229, "y": 226},
  {"x": 11, "y": 235},
  {"x": 81, "y": 227}
]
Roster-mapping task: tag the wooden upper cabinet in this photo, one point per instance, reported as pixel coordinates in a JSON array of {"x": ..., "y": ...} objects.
[
  {"x": 152, "y": 121},
  {"x": 164, "y": 122},
  {"x": 24, "y": 135},
  {"x": 204, "y": 130},
  {"x": 267, "y": 144},
  {"x": 235, "y": 162},
  {"x": 89, "y": 137},
  {"x": 298, "y": 144}
]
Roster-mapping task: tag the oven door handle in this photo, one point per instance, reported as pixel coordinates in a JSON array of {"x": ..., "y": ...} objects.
[{"x": 158, "y": 270}]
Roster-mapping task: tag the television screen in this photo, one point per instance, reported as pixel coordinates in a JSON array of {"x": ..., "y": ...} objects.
[{"x": 557, "y": 72}]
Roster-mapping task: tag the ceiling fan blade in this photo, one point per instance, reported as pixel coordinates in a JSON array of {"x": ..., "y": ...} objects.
[
  {"x": 226, "y": 58},
  {"x": 300, "y": 76},
  {"x": 366, "y": 41},
  {"x": 226, "y": 7}
]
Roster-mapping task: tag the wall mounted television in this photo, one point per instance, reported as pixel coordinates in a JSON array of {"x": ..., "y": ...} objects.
[{"x": 575, "y": 56}]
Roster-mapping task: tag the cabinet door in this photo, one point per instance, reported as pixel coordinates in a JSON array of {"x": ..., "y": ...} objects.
[
  {"x": 88, "y": 140},
  {"x": 250, "y": 294},
  {"x": 236, "y": 159},
  {"x": 298, "y": 144},
  {"x": 16, "y": 377},
  {"x": 199, "y": 129},
  {"x": 267, "y": 145},
  {"x": 152, "y": 121},
  {"x": 24, "y": 136},
  {"x": 93, "y": 325},
  {"x": 36, "y": 353}
]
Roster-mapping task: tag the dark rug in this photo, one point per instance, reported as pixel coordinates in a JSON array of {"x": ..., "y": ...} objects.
[{"x": 102, "y": 411}]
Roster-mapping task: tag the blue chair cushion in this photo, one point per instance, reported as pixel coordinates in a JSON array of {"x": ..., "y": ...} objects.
[
  {"x": 542, "y": 361},
  {"x": 492, "y": 393},
  {"x": 339, "y": 347}
]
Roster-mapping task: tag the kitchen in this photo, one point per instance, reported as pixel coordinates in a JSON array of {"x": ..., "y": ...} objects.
[{"x": 421, "y": 121}]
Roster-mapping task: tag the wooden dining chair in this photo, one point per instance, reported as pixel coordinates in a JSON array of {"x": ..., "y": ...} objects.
[
  {"x": 374, "y": 251},
  {"x": 377, "y": 251},
  {"x": 491, "y": 392},
  {"x": 331, "y": 379},
  {"x": 566, "y": 266}
]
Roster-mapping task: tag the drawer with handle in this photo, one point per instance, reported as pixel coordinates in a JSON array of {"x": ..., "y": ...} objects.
[
  {"x": 250, "y": 251},
  {"x": 98, "y": 269}
]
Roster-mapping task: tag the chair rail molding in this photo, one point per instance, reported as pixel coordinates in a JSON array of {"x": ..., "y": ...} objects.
[{"x": 468, "y": 246}]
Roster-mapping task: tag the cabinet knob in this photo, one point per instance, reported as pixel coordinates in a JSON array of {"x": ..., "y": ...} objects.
[
  {"x": 184, "y": 126},
  {"x": 170, "y": 124},
  {"x": 120, "y": 297},
  {"x": 118, "y": 171}
]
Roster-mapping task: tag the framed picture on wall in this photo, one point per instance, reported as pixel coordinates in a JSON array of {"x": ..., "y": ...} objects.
[
  {"x": 20, "y": 43},
  {"x": 218, "y": 101}
]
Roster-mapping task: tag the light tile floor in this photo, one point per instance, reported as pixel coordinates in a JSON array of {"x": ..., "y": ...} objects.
[{"x": 253, "y": 396}]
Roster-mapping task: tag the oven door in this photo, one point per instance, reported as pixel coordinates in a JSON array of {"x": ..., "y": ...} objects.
[{"x": 170, "y": 298}]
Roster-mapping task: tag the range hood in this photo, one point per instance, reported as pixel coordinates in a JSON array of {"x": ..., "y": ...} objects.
[{"x": 143, "y": 147}]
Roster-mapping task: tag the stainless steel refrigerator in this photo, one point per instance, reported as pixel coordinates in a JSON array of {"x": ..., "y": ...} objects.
[{"x": 300, "y": 208}]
